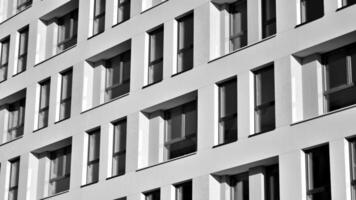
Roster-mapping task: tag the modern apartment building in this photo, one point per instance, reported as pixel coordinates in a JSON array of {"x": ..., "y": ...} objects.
[{"x": 178, "y": 99}]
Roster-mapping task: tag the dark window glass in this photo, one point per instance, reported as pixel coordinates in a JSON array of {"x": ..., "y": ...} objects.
[
  {"x": 311, "y": 10},
  {"x": 155, "y": 63},
  {"x": 59, "y": 178},
  {"x": 153, "y": 195},
  {"x": 353, "y": 168},
  {"x": 14, "y": 179},
  {"x": 22, "y": 51},
  {"x": 23, "y": 4},
  {"x": 184, "y": 191},
  {"x": 272, "y": 183},
  {"x": 228, "y": 111},
  {"x": 238, "y": 24},
  {"x": 93, "y": 156},
  {"x": 264, "y": 100},
  {"x": 99, "y": 16},
  {"x": 123, "y": 10},
  {"x": 318, "y": 173},
  {"x": 44, "y": 103},
  {"x": 119, "y": 148},
  {"x": 16, "y": 119},
  {"x": 239, "y": 186},
  {"x": 67, "y": 30},
  {"x": 268, "y": 18},
  {"x": 118, "y": 76},
  {"x": 66, "y": 95},
  {"x": 4, "y": 58},
  {"x": 348, "y": 2},
  {"x": 185, "y": 42}
]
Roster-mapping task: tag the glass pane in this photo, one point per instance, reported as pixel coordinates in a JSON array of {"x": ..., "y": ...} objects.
[
  {"x": 42, "y": 118},
  {"x": 336, "y": 70},
  {"x": 64, "y": 111},
  {"x": 182, "y": 147},
  {"x": 349, "y": 2},
  {"x": 240, "y": 190},
  {"x": 155, "y": 73},
  {"x": 186, "y": 31},
  {"x": 238, "y": 24},
  {"x": 94, "y": 146},
  {"x": 23, "y": 42},
  {"x": 272, "y": 183},
  {"x": 99, "y": 7},
  {"x": 228, "y": 98},
  {"x": 228, "y": 130},
  {"x": 190, "y": 112},
  {"x": 21, "y": 64},
  {"x": 156, "y": 45},
  {"x": 154, "y": 195},
  {"x": 312, "y": 9},
  {"x": 184, "y": 191},
  {"x": 264, "y": 86},
  {"x": 93, "y": 173},
  {"x": 66, "y": 91},
  {"x": 59, "y": 186},
  {"x": 174, "y": 124},
  {"x": 3, "y": 73},
  {"x": 123, "y": 12},
  {"x": 353, "y": 192},
  {"x": 14, "y": 173},
  {"x": 185, "y": 60},
  {"x": 44, "y": 96},
  {"x": 265, "y": 119},
  {"x": 269, "y": 17},
  {"x": 353, "y": 159},
  {"x": 120, "y": 137},
  {"x": 342, "y": 99},
  {"x": 13, "y": 194},
  {"x": 99, "y": 25},
  {"x": 4, "y": 52},
  {"x": 119, "y": 164}
]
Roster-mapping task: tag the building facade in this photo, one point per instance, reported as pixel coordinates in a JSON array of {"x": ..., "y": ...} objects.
[{"x": 178, "y": 99}]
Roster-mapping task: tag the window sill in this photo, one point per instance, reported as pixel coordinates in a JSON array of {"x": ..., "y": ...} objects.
[
  {"x": 18, "y": 73},
  {"x": 242, "y": 48},
  {"x": 67, "y": 49},
  {"x": 114, "y": 99},
  {"x": 88, "y": 184},
  {"x": 111, "y": 177},
  {"x": 154, "y": 83},
  {"x": 16, "y": 14},
  {"x": 168, "y": 161},
  {"x": 61, "y": 120},
  {"x": 152, "y": 7},
  {"x": 260, "y": 133},
  {"x": 93, "y": 36},
  {"x": 13, "y": 140},
  {"x": 324, "y": 115},
  {"x": 343, "y": 7},
  {"x": 34, "y": 131},
  {"x": 223, "y": 144},
  {"x": 59, "y": 193},
  {"x": 307, "y": 22},
  {"x": 117, "y": 24},
  {"x": 181, "y": 72}
]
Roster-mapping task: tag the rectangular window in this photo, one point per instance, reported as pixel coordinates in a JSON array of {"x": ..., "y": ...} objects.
[
  {"x": 153, "y": 195},
  {"x": 22, "y": 51},
  {"x": 119, "y": 148},
  {"x": 66, "y": 94},
  {"x": 93, "y": 156},
  {"x": 4, "y": 58},
  {"x": 348, "y": 2},
  {"x": 268, "y": 18},
  {"x": 184, "y": 191},
  {"x": 238, "y": 24},
  {"x": 67, "y": 31},
  {"x": 155, "y": 62},
  {"x": 228, "y": 111},
  {"x": 14, "y": 179},
  {"x": 340, "y": 77},
  {"x": 117, "y": 76},
  {"x": 60, "y": 163},
  {"x": 99, "y": 16},
  {"x": 185, "y": 42},
  {"x": 272, "y": 182},
  {"x": 318, "y": 173},
  {"x": 16, "y": 118},
  {"x": 44, "y": 103},
  {"x": 311, "y": 10},
  {"x": 23, "y": 4},
  {"x": 123, "y": 10},
  {"x": 181, "y": 130},
  {"x": 353, "y": 168},
  {"x": 264, "y": 100}
]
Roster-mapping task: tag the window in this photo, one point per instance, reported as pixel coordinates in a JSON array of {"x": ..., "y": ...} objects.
[
  {"x": 93, "y": 156},
  {"x": 14, "y": 179},
  {"x": 311, "y": 10},
  {"x": 348, "y": 2},
  {"x": 99, "y": 16},
  {"x": 184, "y": 191},
  {"x": 16, "y": 118},
  {"x": 155, "y": 63},
  {"x": 353, "y": 167},
  {"x": 185, "y": 42},
  {"x": 67, "y": 31},
  {"x": 181, "y": 130},
  {"x": 66, "y": 94},
  {"x": 239, "y": 187},
  {"x": 272, "y": 182},
  {"x": 44, "y": 103},
  {"x": 153, "y": 195},
  {"x": 238, "y": 24},
  {"x": 119, "y": 148},
  {"x": 318, "y": 173},
  {"x": 268, "y": 18},
  {"x": 4, "y": 58},
  {"x": 60, "y": 163},
  {"x": 123, "y": 10},
  {"x": 117, "y": 76},
  {"x": 23, "y": 4},
  {"x": 22, "y": 52},
  {"x": 340, "y": 77},
  {"x": 264, "y": 100},
  {"x": 228, "y": 111}
]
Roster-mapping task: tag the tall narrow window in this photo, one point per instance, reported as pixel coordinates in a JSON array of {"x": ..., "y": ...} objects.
[
  {"x": 93, "y": 156},
  {"x": 123, "y": 10},
  {"x": 311, "y": 10},
  {"x": 268, "y": 18},
  {"x": 99, "y": 17},
  {"x": 14, "y": 179},
  {"x": 44, "y": 103},
  {"x": 348, "y": 2},
  {"x": 353, "y": 168},
  {"x": 272, "y": 182},
  {"x": 118, "y": 76},
  {"x": 67, "y": 31},
  {"x": 66, "y": 95},
  {"x": 22, "y": 51},
  {"x": 181, "y": 130},
  {"x": 119, "y": 149},
  {"x": 155, "y": 63},
  {"x": 239, "y": 187},
  {"x": 59, "y": 177},
  {"x": 153, "y": 195},
  {"x": 238, "y": 24},
  {"x": 4, "y": 58},
  {"x": 318, "y": 173},
  {"x": 184, "y": 191},
  {"x": 264, "y": 100},
  {"x": 16, "y": 119},
  {"x": 340, "y": 78},
  {"x": 23, "y": 4},
  {"x": 185, "y": 42},
  {"x": 228, "y": 111}
]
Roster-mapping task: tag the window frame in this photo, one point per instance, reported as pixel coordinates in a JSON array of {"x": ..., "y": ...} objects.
[
  {"x": 64, "y": 151},
  {"x": 153, "y": 63},
  {"x": 5, "y": 65},
  {"x": 72, "y": 17},
  {"x": 14, "y": 188},
  {"x": 268, "y": 22},
  {"x": 21, "y": 103},
  {"x": 186, "y": 49},
  {"x": 230, "y": 9},
  {"x": 352, "y": 164},
  {"x": 178, "y": 195},
  {"x": 304, "y": 12},
  {"x": 98, "y": 16},
  {"x": 126, "y": 4},
  {"x": 44, "y": 109},
  {"x": 96, "y": 160},
  {"x": 23, "y": 6},
  {"x": 68, "y": 99},
  {"x": 22, "y": 55},
  {"x": 150, "y": 195},
  {"x": 121, "y": 152}
]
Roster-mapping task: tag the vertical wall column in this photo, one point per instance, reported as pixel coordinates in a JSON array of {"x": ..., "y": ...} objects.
[
  {"x": 12, "y": 53},
  {"x": 78, "y": 169},
  {"x": 170, "y": 46},
  {"x": 31, "y": 111},
  {"x": 132, "y": 146},
  {"x": 200, "y": 187},
  {"x": 3, "y": 173},
  {"x": 138, "y": 66},
  {"x": 245, "y": 104},
  {"x": 84, "y": 19},
  {"x": 33, "y": 31},
  {"x": 109, "y": 13},
  {"x": 105, "y": 148},
  {"x": 286, "y": 15},
  {"x": 254, "y": 21},
  {"x": 168, "y": 192},
  {"x": 201, "y": 35},
  {"x": 53, "y": 99},
  {"x": 256, "y": 180}
]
